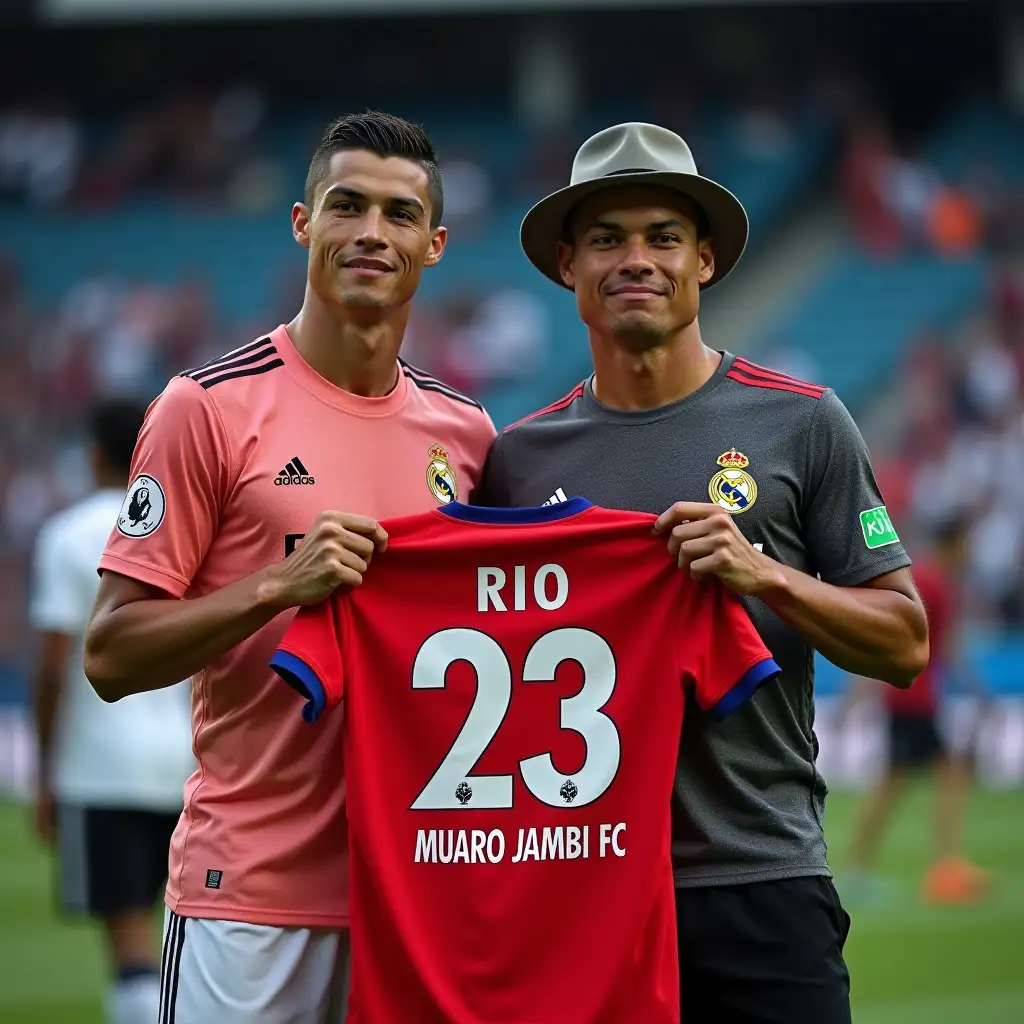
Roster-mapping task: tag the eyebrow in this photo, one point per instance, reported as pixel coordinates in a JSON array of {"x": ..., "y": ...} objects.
[
  {"x": 660, "y": 225},
  {"x": 340, "y": 191}
]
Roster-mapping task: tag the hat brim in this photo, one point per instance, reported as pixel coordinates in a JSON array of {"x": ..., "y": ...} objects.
[{"x": 543, "y": 227}]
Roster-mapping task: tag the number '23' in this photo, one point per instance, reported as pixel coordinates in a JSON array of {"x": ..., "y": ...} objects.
[{"x": 580, "y": 713}]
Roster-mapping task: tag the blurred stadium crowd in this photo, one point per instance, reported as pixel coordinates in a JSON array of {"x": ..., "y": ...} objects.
[
  {"x": 960, "y": 449},
  {"x": 954, "y": 442}
]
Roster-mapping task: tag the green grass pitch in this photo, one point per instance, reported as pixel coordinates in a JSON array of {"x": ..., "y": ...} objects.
[{"x": 911, "y": 964}]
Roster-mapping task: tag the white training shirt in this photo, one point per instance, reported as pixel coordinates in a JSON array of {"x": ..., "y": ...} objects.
[{"x": 137, "y": 752}]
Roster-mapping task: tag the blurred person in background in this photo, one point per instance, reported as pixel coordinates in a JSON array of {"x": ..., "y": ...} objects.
[
  {"x": 795, "y": 525},
  {"x": 40, "y": 153},
  {"x": 915, "y": 739},
  {"x": 258, "y": 482},
  {"x": 110, "y": 777}
]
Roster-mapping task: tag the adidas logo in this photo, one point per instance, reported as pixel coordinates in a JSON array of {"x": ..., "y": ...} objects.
[
  {"x": 556, "y": 498},
  {"x": 294, "y": 473}
]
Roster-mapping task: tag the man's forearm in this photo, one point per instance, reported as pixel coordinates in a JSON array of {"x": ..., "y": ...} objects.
[
  {"x": 149, "y": 644},
  {"x": 877, "y": 633},
  {"x": 46, "y": 692},
  {"x": 48, "y": 682}
]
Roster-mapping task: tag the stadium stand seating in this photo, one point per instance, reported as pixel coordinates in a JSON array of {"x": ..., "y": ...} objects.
[
  {"x": 242, "y": 257},
  {"x": 979, "y": 132},
  {"x": 862, "y": 312},
  {"x": 859, "y": 314}
]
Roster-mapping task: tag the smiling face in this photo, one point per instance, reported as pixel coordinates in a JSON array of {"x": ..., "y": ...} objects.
[
  {"x": 368, "y": 231},
  {"x": 636, "y": 261}
]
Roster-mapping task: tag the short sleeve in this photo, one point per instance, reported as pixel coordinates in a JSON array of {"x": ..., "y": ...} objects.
[
  {"x": 308, "y": 658},
  {"x": 492, "y": 490},
  {"x": 847, "y": 530},
  {"x": 720, "y": 651},
  {"x": 181, "y": 475},
  {"x": 55, "y": 603}
]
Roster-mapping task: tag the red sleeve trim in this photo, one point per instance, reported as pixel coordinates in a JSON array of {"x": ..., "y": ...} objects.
[
  {"x": 764, "y": 372},
  {"x": 774, "y": 385}
]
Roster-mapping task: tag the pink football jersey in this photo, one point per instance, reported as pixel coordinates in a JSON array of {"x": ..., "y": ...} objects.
[
  {"x": 234, "y": 463},
  {"x": 513, "y": 686}
]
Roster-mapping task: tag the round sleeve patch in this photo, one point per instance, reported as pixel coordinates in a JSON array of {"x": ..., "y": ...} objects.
[{"x": 143, "y": 508}]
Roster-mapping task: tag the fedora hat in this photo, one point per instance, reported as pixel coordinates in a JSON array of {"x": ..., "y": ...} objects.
[{"x": 635, "y": 154}]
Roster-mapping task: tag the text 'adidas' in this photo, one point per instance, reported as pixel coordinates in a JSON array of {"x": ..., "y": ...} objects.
[{"x": 294, "y": 473}]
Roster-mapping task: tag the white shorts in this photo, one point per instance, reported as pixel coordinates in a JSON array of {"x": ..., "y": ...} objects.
[{"x": 227, "y": 972}]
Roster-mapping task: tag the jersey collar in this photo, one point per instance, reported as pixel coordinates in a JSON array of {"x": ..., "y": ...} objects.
[{"x": 515, "y": 516}]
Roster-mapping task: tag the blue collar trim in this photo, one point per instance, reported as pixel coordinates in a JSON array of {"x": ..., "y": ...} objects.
[{"x": 515, "y": 516}]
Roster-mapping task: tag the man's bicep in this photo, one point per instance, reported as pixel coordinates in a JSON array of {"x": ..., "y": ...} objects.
[
  {"x": 901, "y": 581},
  {"x": 117, "y": 590},
  {"x": 180, "y": 478},
  {"x": 849, "y": 535}
]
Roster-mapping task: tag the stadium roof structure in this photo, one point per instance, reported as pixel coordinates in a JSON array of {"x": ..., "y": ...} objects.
[{"x": 68, "y": 11}]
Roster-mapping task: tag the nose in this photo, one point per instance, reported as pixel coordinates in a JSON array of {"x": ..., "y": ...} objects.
[
  {"x": 371, "y": 234},
  {"x": 636, "y": 260}
]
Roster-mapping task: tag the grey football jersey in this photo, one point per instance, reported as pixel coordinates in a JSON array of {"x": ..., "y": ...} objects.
[{"x": 788, "y": 461}]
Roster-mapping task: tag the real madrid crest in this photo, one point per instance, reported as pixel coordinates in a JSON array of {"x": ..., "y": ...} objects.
[
  {"x": 732, "y": 487},
  {"x": 441, "y": 477}
]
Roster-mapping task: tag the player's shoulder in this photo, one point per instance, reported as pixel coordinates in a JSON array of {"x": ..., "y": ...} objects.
[
  {"x": 756, "y": 383},
  {"x": 561, "y": 409},
  {"x": 439, "y": 410},
  {"x": 436, "y": 392},
  {"x": 234, "y": 370},
  {"x": 220, "y": 391}
]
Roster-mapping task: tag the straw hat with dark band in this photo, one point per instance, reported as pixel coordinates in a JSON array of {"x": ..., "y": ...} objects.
[{"x": 635, "y": 154}]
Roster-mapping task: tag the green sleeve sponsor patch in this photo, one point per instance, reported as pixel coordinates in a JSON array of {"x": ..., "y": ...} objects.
[{"x": 877, "y": 527}]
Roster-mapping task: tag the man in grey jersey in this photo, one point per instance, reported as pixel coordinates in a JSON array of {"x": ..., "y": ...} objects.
[{"x": 760, "y": 479}]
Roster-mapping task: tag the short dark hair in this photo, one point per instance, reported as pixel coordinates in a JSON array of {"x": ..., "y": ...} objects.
[
  {"x": 114, "y": 425},
  {"x": 383, "y": 134}
]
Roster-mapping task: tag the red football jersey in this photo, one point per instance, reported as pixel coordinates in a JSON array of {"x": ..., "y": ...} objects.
[{"x": 514, "y": 684}]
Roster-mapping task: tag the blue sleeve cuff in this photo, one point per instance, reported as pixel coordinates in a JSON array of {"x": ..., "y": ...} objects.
[
  {"x": 744, "y": 689},
  {"x": 298, "y": 675}
]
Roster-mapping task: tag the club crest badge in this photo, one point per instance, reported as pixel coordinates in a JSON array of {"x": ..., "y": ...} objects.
[
  {"x": 441, "y": 477},
  {"x": 732, "y": 487},
  {"x": 143, "y": 508}
]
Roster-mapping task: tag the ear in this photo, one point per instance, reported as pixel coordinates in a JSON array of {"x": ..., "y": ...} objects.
[
  {"x": 706, "y": 257},
  {"x": 566, "y": 254},
  {"x": 300, "y": 224},
  {"x": 438, "y": 240}
]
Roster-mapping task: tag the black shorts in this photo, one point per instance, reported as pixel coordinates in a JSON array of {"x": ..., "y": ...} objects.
[
  {"x": 763, "y": 953},
  {"x": 914, "y": 741},
  {"x": 111, "y": 860}
]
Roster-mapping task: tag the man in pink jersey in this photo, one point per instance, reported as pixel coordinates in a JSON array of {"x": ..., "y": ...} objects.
[{"x": 238, "y": 462}]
